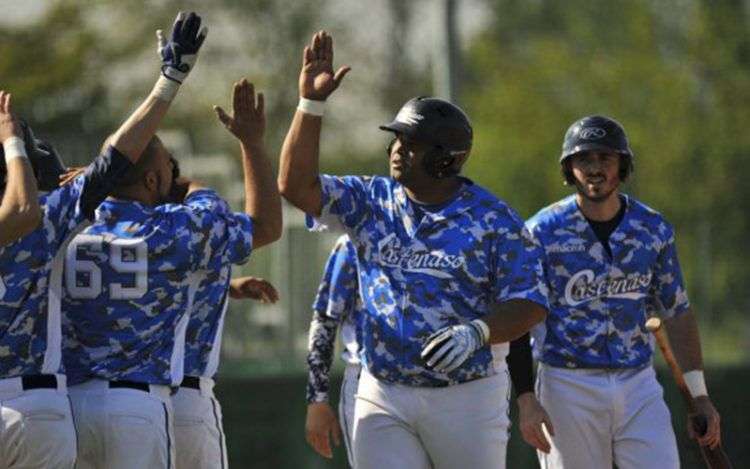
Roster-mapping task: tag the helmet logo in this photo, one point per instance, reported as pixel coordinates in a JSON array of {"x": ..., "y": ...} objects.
[
  {"x": 592, "y": 133},
  {"x": 409, "y": 116}
]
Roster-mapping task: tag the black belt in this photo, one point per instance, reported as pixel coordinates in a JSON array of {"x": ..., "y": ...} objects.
[
  {"x": 124, "y": 383},
  {"x": 38, "y": 382},
  {"x": 192, "y": 382}
]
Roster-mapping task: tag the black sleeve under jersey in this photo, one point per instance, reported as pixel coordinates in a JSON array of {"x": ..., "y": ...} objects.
[
  {"x": 101, "y": 177},
  {"x": 521, "y": 364}
]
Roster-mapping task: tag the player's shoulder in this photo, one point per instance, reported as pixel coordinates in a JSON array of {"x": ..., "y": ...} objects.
[
  {"x": 553, "y": 215},
  {"x": 644, "y": 217},
  {"x": 488, "y": 206}
]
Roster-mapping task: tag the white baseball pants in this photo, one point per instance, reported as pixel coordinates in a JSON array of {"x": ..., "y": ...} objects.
[
  {"x": 123, "y": 428},
  {"x": 347, "y": 399},
  {"x": 37, "y": 429},
  {"x": 605, "y": 416},
  {"x": 404, "y": 427},
  {"x": 199, "y": 432}
]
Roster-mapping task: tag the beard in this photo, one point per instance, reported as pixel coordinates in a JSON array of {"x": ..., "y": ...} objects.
[{"x": 599, "y": 194}]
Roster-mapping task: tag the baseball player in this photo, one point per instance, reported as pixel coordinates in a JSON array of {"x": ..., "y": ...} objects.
[
  {"x": 19, "y": 210},
  {"x": 610, "y": 262},
  {"x": 129, "y": 283},
  {"x": 445, "y": 269},
  {"x": 37, "y": 426},
  {"x": 337, "y": 303},
  {"x": 199, "y": 434}
]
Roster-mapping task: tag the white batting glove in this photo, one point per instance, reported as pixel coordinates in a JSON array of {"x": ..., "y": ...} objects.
[
  {"x": 446, "y": 349},
  {"x": 179, "y": 53}
]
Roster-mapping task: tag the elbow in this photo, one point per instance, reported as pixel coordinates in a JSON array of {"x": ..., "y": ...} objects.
[
  {"x": 539, "y": 313},
  {"x": 285, "y": 188},
  {"x": 266, "y": 233}
]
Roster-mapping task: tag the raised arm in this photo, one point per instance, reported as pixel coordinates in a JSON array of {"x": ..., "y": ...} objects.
[
  {"x": 299, "y": 168},
  {"x": 19, "y": 210},
  {"x": 262, "y": 200},
  {"x": 178, "y": 56}
]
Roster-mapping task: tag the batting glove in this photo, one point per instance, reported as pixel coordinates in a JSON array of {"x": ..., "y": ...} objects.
[
  {"x": 446, "y": 349},
  {"x": 179, "y": 53}
]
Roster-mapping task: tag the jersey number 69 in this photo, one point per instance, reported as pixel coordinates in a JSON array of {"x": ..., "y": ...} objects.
[{"x": 83, "y": 278}]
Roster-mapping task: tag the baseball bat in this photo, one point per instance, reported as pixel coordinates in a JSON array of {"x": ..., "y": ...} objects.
[{"x": 714, "y": 458}]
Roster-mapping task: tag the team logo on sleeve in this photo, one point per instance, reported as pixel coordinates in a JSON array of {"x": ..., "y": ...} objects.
[
  {"x": 434, "y": 263},
  {"x": 583, "y": 287}
]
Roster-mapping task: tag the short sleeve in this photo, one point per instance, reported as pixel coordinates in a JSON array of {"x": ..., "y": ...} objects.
[
  {"x": 668, "y": 295},
  {"x": 216, "y": 233},
  {"x": 344, "y": 202},
  {"x": 519, "y": 271}
]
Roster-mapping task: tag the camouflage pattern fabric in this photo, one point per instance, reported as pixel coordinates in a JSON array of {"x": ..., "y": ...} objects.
[
  {"x": 599, "y": 305},
  {"x": 420, "y": 274}
]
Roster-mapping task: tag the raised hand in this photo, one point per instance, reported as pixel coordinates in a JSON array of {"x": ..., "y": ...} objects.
[
  {"x": 179, "y": 53},
  {"x": 317, "y": 80},
  {"x": 248, "y": 119},
  {"x": 254, "y": 289},
  {"x": 9, "y": 124}
]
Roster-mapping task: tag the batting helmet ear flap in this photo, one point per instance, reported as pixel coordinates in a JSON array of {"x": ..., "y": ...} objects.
[{"x": 439, "y": 163}]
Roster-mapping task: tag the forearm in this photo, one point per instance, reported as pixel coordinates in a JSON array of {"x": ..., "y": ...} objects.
[
  {"x": 685, "y": 340},
  {"x": 521, "y": 365},
  {"x": 262, "y": 200},
  {"x": 299, "y": 181},
  {"x": 320, "y": 357},
  {"x": 134, "y": 134},
  {"x": 509, "y": 320},
  {"x": 19, "y": 211}
]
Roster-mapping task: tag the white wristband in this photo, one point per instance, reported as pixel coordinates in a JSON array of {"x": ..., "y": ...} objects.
[
  {"x": 165, "y": 89},
  {"x": 696, "y": 383},
  {"x": 14, "y": 148},
  {"x": 312, "y": 107},
  {"x": 482, "y": 326}
]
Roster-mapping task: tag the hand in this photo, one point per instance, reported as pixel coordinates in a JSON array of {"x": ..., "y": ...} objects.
[
  {"x": 532, "y": 417},
  {"x": 317, "y": 80},
  {"x": 70, "y": 174},
  {"x": 9, "y": 124},
  {"x": 254, "y": 289},
  {"x": 320, "y": 424},
  {"x": 248, "y": 120},
  {"x": 178, "y": 55},
  {"x": 446, "y": 349},
  {"x": 706, "y": 413}
]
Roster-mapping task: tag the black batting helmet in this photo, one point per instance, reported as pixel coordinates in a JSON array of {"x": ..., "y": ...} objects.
[
  {"x": 438, "y": 123},
  {"x": 44, "y": 159},
  {"x": 598, "y": 133}
]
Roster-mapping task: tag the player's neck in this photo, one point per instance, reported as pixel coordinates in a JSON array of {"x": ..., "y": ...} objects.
[
  {"x": 599, "y": 210},
  {"x": 435, "y": 191}
]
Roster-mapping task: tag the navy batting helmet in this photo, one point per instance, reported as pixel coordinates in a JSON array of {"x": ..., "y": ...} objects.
[
  {"x": 438, "y": 123},
  {"x": 598, "y": 133},
  {"x": 44, "y": 159}
]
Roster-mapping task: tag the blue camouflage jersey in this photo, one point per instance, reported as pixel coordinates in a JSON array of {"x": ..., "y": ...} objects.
[
  {"x": 206, "y": 324},
  {"x": 30, "y": 286},
  {"x": 131, "y": 278},
  {"x": 420, "y": 274},
  {"x": 337, "y": 303},
  {"x": 599, "y": 304},
  {"x": 338, "y": 297}
]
